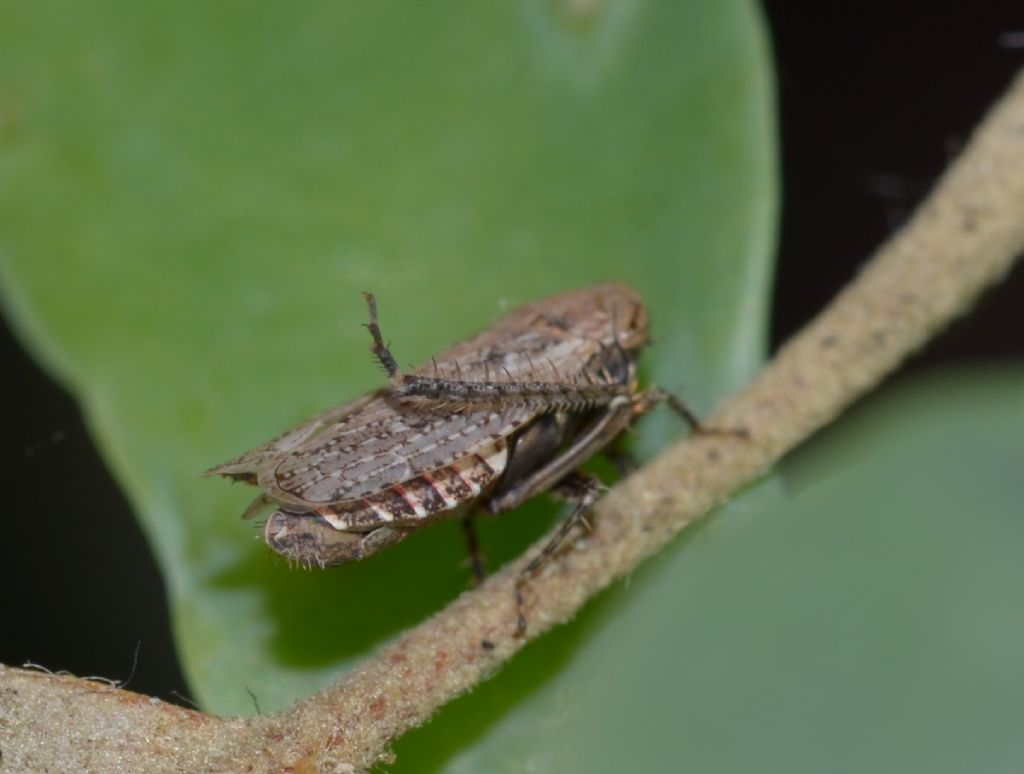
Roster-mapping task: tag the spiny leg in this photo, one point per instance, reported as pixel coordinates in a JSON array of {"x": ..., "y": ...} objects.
[
  {"x": 652, "y": 396},
  {"x": 573, "y": 393},
  {"x": 476, "y": 557},
  {"x": 580, "y": 488},
  {"x": 380, "y": 349}
]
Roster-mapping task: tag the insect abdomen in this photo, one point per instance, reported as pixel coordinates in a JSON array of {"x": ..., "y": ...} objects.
[{"x": 424, "y": 495}]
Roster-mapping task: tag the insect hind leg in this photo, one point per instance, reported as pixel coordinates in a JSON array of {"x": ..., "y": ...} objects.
[
  {"x": 476, "y": 556},
  {"x": 580, "y": 488},
  {"x": 652, "y": 396},
  {"x": 575, "y": 393},
  {"x": 379, "y": 348}
]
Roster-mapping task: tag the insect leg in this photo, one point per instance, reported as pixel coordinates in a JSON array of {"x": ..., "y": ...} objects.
[
  {"x": 476, "y": 557},
  {"x": 590, "y": 440},
  {"x": 579, "y": 488},
  {"x": 379, "y": 348},
  {"x": 572, "y": 393},
  {"x": 652, "y": 396}
]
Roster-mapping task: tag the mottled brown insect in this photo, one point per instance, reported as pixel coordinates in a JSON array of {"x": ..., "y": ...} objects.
[{"x": 488, "y": 424}]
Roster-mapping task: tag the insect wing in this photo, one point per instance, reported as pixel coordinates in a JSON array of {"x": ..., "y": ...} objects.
[
  {"x": 246, "y": 466},
  {"x": 387, "y": 442}
]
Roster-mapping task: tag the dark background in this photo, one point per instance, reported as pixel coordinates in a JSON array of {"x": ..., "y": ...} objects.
[{"x": 875, "y": 101}]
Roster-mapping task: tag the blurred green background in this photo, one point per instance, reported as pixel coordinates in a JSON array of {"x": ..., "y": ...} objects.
[{"x": 191, "y": 199}]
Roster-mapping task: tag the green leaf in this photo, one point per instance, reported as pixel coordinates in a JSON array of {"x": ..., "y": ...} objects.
[
  {"x": 192, "y": 196},
  {"x": 868, "y": 620}
]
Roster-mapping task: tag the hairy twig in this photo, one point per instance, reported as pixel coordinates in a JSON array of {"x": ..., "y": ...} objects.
[{"x": 961, "y": 240}]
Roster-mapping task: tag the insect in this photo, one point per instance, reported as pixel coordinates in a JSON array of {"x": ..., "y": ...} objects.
[{"x": 495, "y": 420}]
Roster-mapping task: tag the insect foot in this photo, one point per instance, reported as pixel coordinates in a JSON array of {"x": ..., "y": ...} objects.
[
  {"x": 580, "y": 488},
  {"x": 493, "y": 421}
]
